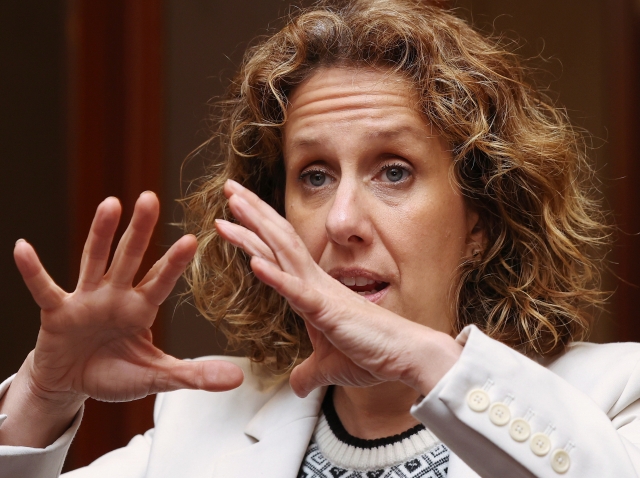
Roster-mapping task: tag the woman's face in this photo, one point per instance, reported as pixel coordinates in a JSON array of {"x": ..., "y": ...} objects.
[{"x": 368, "y": 191}]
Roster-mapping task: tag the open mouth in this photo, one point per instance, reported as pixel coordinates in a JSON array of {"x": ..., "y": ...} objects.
[{"x": 363, "y": 285}]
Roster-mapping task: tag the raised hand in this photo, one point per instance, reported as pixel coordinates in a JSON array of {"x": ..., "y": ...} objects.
[
  {"x": 96, "y": 341},
  {"x": 356, "y": 343}
]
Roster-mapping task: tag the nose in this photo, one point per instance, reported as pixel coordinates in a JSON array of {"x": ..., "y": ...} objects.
[{"x": 348, "y": 222}]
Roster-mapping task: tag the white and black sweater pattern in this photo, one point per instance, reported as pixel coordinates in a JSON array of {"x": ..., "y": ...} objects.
[{"x": 333, "y": 453}]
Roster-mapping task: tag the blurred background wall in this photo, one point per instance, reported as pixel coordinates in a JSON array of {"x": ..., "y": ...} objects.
[{"x": 107, "y": 97}]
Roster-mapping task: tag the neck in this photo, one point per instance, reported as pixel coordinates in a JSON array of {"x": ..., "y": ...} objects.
[{"x": 375, "y": 412}]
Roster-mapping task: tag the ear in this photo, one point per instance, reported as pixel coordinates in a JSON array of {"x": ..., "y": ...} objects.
[{"x": 476, "y": 235}]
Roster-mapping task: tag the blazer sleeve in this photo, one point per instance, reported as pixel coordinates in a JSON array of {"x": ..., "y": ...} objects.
[
  {"x": 506, "y": 415},
  {"x": 25, "y": 462}
]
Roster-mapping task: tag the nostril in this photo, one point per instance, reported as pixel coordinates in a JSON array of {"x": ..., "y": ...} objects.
[{"x": 348, "y": 222}]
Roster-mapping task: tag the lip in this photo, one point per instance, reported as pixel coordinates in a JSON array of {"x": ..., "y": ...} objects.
[
  {"x": 355, "y": 272},
  {"x": 358, "y": 272},
  {"x": 378, "y": 296}
]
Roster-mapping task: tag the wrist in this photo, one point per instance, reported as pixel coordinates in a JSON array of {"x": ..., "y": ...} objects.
[
  {"x": 49, "y": 402},
  {"x": 35, "y": 417},
  {"x": 434, "y": 355}
]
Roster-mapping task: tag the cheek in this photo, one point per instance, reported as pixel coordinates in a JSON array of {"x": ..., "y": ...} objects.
[
  {"x": 309, "y": 225},
  {"x": 434, "y": 234}
]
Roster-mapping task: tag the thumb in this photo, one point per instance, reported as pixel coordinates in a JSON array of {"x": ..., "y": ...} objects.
[
  {"x": 306, "y": 377},
  {"x": 209, "y": 375}
]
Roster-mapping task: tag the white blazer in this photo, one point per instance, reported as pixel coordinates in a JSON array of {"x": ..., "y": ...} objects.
[{"x": 584, "y": 402}]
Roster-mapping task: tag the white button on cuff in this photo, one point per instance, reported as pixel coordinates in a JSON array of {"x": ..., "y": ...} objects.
[
  {"x": 478, "y": 400},
  {"x": 499, "y": 414},
  {"x": 540, "y": 444},
  {"x": 519, "y": 429},
  {"x": 560, "y": 461}
]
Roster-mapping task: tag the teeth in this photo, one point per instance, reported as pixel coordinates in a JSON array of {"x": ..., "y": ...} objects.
[
  {"x": 362, "y": 293},
  {"x": 357, "y": 281}
]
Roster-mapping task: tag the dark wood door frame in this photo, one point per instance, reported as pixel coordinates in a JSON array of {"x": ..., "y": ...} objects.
[
  {"x": 623, "y": 92},
  {"x": 115, "y": 50}
]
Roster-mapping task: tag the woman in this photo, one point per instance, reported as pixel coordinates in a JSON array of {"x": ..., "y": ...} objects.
[{"x": 426, "y": 187}]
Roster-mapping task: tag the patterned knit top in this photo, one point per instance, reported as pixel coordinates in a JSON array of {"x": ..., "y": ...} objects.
[{"x": 334, "y": 453}]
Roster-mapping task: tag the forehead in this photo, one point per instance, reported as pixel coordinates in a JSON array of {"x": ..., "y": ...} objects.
[{"x": 382, "y": 103}]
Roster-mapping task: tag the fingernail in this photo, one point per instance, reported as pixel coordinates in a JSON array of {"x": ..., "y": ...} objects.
[
  {"x": 146, "y": 192},
  {"x": 108, "y": 198},
  {"x": 19, "y": 241},
  {"x": 234, "y": 185},
  {"x": 222, "y": 222},
  {"x": 238, "y": 205}
]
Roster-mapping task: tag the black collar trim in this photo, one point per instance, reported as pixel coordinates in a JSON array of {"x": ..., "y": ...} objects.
[{"x": 341, "y": 434}]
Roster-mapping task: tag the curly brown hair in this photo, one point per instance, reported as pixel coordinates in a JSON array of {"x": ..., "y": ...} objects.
[{"x": 516, "y": 158}]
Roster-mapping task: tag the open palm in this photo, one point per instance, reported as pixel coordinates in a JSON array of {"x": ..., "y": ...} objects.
[{"x": 96, "y": 341}]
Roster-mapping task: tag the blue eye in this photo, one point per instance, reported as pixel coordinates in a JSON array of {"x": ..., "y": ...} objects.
[
  {"x": 393, "y": 174},
  {"x": 315, "y": 179}
]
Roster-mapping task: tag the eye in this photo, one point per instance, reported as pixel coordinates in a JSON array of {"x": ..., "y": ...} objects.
[
  {"x": 315, "y": 179},
  {"x": 394, "y": 173}
]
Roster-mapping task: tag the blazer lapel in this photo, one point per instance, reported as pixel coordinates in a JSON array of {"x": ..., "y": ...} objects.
[{"x": 282, "y": 429}]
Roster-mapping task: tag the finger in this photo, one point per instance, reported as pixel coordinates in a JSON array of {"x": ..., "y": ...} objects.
[
  {"x": 232, "y": 188},
  {"x": 244, "y": 238},
  {"x": 312, "y": 332},
  {"x": 289, "y": 250},
  {"x": 307, "y": 302},
  {"x": 209, "y": 375},
  {"x": 158, "y": 283},
  {"x": 43, "y": 289},
  {"x": 306, "y": 377},
  {"x": 98, "y": 245},
  {"x": 135, "y": 240},
  {"x": 336, "y": 369}
]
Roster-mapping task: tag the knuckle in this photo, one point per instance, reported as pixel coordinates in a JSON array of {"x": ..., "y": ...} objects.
[
  {"x": 134, "y": 249},
  {"x": 288, "y": 228}
]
